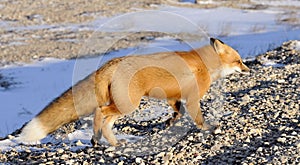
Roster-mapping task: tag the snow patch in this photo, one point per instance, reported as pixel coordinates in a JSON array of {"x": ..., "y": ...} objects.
[
  {"x": 85, "y": 136},
  {"x": 297, "y": 45},
  {"x": 278, "y": 2},
  {"x": 267, "y": 62}
]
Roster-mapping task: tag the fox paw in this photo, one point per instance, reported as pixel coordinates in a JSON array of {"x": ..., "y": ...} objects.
[
  {"x": 95, "y": 141},
  {"x": 207, "y": 127},
  {"x": 171, "y": 121}
]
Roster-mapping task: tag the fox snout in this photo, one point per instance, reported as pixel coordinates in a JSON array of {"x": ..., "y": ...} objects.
[{"x": 244, "y": 69}]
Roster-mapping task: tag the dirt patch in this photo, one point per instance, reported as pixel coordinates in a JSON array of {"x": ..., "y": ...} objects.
[{"x": 30, "y": 12}]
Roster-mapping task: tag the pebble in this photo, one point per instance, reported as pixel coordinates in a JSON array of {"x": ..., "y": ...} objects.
[
  {"x": 282, "y": 140},
  {"x": 294, "y": 133},
  {"x": 50, "y": 162},
  {"x": 161, "y": 154},
  {"x": 281, "y": 128},
  {"x": 178, "y": 124},
  {"x": 191, "y": 138},
  {"x": 275, "y": 148},
  {"x": 111, "y": 154},
  {"x": 218, "y": 131},
  {"x": 138, "y": 160},
  {"x": 110, "y": 149},
  {"x": 246, "y": 99},
  {"x": 216, "y": 147},
  {"x": 260, "y": 149},
  {"x": 276, "y": 115},
  {"x": 101, "y": 160},
  {"x": 79, "y": 143},
  {"x": 248, "y": 140},
  {"x": 64, "y": 156},
  {"x": 85, "y": 163},
  {"x": 60, "y": 150},
  {"x": 128, "y": 150},
  {"x": 121, "y": 163}
]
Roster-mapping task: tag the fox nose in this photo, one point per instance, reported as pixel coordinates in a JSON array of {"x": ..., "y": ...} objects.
[{"x": 245, "y": 69}]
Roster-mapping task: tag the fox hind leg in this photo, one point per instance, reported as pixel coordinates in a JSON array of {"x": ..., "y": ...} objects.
[
  {"x": 178, "y": 111},
  {"x": 103, "y": 121},
  {"x": 97, "y": 126}
]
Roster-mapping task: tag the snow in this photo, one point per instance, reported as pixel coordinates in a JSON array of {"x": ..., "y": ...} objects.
[
  {"x": 267, "y": 62},
  {"x": 278, "y": 2},
  {"x": 39, "y": 83},
  {"x": 85, "y": 136},
  {"x": 254, "y": 44},
  {"x": 297, "y": 45},
  {"x": 238, "y": 21}
]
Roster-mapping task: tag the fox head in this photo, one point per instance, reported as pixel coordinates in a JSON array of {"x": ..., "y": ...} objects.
[{"x": 230, "y": 59}]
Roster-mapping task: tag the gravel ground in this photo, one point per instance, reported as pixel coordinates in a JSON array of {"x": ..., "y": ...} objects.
[{"x": 258, "y": 117}]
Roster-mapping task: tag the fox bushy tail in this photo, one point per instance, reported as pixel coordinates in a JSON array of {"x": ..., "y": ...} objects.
[{"x": 78, "y": 101}]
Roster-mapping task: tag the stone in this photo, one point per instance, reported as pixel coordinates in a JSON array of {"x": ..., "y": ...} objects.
[
  {"x": 64, "y": 156},
  {"x": 260, "y": 149},
  {"x": 126, "y": 150},
  {"x": 248, "y": 140},
  {"x": 79, "y": 143},
  {"x": 281, "y": 140},
  {"x": 111, "y": 154},
  {"x": 275, "y": 148},
  {"x": 60, "y": 150},
  {"x": 161, "y": 154},
  {"x": 138, "y": 160},
  {"x": 121, "y": 163},
  {"x": 218, "y": 131},
  {"x": 101, "y": 160},
  {"x": 110, "y": 149},
  {"x": 216, "y": 147}
]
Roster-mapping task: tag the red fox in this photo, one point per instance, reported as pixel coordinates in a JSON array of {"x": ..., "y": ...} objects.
[{"x": 117, "y": 87}]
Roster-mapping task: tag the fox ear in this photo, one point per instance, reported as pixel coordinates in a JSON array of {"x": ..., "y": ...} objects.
[{"x": 218, "y": 45}]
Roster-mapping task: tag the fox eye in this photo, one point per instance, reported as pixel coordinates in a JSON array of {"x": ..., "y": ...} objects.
[{"x": 237, "y": 61}]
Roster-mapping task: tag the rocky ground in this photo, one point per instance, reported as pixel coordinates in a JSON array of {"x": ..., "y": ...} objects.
[{"x": 258, "y": 117}]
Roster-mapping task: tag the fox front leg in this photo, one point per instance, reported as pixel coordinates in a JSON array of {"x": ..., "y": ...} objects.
[
  {"x": 193, "y": 108},
  {"x": 178, "y": 110},
  {"x": 97, "y": 127}
]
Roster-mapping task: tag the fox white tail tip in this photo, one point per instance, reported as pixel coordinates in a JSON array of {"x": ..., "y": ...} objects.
[{"x": 33, "y": 131}]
